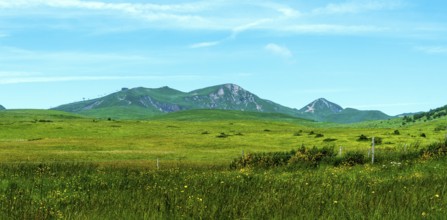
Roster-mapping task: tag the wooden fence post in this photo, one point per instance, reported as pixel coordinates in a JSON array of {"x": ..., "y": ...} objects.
[{"x": 372, "y": 151}]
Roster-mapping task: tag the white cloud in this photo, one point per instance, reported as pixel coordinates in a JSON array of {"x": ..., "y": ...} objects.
[
  {"x": 205, "y": 44},
  {"x": 433, "y": 50},
  {"x": 146, "y": 11},
  {"x": 278, "y": 50},
  {"x": 11, "y": 78},
  {"x": 203, "y": 15},
  {"x": 353, "y": 7},
  {"x": 332, "y": 29}
]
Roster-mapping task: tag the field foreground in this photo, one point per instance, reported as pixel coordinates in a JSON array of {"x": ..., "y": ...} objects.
[
  {"x": 62, "y": 166},
  {"x": 87, "y": 191}
]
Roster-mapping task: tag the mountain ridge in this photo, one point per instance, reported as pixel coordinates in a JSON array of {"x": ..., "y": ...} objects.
[
  {"x": 2, "y": 108},
  {"x": 143, "y": 102}
]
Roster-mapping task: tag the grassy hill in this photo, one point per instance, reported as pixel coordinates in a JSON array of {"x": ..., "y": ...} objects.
[
  {"x": 143, "y": 103},
  {"x": 139, "y": 103},
  {"x": 190, "y": 136},
  {"x": 222, "y": 115}
]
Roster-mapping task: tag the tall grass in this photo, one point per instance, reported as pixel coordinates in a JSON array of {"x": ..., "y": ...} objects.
[{"x": 89, "y": 191}]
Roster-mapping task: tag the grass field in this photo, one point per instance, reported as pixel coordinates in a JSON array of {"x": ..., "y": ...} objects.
[{"x": 56, "y": 165}]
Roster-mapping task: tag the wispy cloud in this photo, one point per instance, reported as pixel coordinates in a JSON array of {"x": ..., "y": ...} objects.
[
  {"x": 354, "y": 7},
  {"x": 433, "y": 50},
  {"x": 17, "y": 78},
  {"x": 174, "y": 13},
  {"x": 278, "y": 50},
  {"x": 205, "y": 44},
  {"x": 209, "y": 14},
  {"x": 333, "y": 29}
]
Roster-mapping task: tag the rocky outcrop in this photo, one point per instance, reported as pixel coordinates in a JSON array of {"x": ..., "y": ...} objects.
[
  {"x": 227, "y": 97},
  {"x": 148, "y": 102}
]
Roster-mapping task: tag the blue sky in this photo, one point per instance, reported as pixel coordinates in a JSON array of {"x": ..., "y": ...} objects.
[{"x": 389, "y": 55}]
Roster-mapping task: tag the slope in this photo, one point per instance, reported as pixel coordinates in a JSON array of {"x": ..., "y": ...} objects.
[
  {"x": 144, "y": 102},
  {"x": 326, "y": 111}
]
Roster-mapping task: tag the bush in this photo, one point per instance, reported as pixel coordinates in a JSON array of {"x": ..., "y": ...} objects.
[
  {"x": 222, "y": 135},
  {"x": 319, "y": 135},
  {"x": 262, "y": 160},
  {"x": 312, "y": 157},
  {"x": 352, "y": 158},
  {"x": 377, "y": 140},
  {"x": 435, "y": 150},
  {"x": 396, "y": 132},
  {"x": 363, "y": 138},
  {"x": 423, "y": 135},
  {"x": 329, "y": 140}
]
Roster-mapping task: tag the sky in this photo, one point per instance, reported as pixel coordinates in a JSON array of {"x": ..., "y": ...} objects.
[{"x": 388, "y": 55}]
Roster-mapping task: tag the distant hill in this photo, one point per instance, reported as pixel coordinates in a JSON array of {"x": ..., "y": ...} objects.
[
  {"x": 2, "y": 108},
  {"x": 143, "y": 103},
  {"x": 436, "y": 113},
  {"x": 324, "y": 110}
]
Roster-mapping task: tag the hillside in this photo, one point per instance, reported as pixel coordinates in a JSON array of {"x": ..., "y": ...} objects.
[
  {"x": 326, "y": 111},
  {"x": 217, "y": 115},
  {"x": 2, "y": 108},
  {"x": 144, "y": 102}
]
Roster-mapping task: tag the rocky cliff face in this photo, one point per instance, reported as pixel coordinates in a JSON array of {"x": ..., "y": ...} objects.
[{"x": 227, "y": 97}]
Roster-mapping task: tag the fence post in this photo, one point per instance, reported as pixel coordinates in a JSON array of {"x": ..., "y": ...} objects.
[{"x": 372, "y": 151}]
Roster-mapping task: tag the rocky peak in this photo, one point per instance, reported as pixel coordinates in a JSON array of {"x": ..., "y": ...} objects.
[{"x": 321, "y": 106}]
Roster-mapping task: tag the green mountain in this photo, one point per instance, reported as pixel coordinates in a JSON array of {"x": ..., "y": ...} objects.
[
  {"x": 326, "y": 111},
  {"x": 144, "y": 102},
  {"x": 141, "y": 103},
  {"x": 2, "y": 108}
]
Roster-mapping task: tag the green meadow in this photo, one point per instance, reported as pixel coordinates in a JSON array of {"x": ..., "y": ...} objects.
[{"x": 56, "y": 165}]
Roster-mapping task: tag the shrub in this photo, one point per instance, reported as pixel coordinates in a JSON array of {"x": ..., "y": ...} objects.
[
  {"x": 363, "y": 138},
  {"x": 312, "y": 157},
  {"x": 222, "y": 135},
  {"x": 423, "y": 135},
  {"x": 319, "y": 135},
  {"x": 396, "y": 132},
  {"x": 329, "y": 139},
  {"x": 352, "y": 158},
  {"x": 435, "y": 150},
  {"x": 262, "y": 160},
  {"x": 377, "y": 140}
]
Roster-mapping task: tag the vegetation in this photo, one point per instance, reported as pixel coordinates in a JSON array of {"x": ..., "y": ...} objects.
[{"x": 55, "y": 165}]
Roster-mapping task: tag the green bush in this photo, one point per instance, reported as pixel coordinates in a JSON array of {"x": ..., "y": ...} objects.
[
  {"x": 363, "y": 138},
  {"x": 352, "y": 158},
  {"x": 312, "y": 157}
]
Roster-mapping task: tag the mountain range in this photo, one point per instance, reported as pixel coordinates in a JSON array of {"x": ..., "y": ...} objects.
[
  {"x": 145, "y": 102},
  {"x": 2, "y": 108}
]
